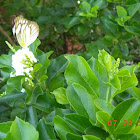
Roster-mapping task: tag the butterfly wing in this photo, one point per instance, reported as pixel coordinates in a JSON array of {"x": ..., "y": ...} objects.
[{"x": 24, "y": 30}]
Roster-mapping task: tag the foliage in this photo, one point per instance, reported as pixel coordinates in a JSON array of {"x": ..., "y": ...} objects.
[
  {"x": 112, "y": 25},
  {"x": 70, "y": 98},
  {"x": 93, "y": 94}
]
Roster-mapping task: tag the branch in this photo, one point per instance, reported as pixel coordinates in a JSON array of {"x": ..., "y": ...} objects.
[{"x": 7, "y": 36}]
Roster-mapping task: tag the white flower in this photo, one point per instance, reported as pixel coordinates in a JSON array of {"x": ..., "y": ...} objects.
[
  {"x": 23, "y": 90},
  {"x": 78, "y": 1},
  {"x": 22, "y": 62},
  {"x": 91, "y": 31}
]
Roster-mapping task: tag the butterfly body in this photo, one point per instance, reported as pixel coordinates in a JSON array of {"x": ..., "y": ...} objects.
[{"x": 24, "y": 30}]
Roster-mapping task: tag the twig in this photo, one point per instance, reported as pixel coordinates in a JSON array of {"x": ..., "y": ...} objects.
[{"x": 7, "y": 36}]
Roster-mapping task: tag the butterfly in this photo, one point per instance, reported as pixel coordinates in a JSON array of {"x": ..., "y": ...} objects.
[{"x": 25, "y": 31}]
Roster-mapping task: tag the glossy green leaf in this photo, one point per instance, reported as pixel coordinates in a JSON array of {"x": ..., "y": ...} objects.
[
  {"x": 60, "y": 112},
  {"x": 127, "y": 137},
  {"x": 109, "y": 26},
  {"x": 62, "y": 127},
  {"x": 133, "y": 8},
  {"x": 78, "y": 71},
  {"x": 12, "y": 97},
  {"x": 56, "y": 67},
  {"x": 44, "y": 60},
  {"x": 74, "y": 21},
  {"x": 133, "y": 30},
  {"x": 128, "y": 81},
  {"x": 32, "y": 116},
  {"x": 71, "y": 136},
  {"x": 122, "y": 13},
  {"x": 104, "y": 105},
  {"x": 85, "y": 7},
  {"x": 60, "y": 95},
  {"x": 105, "y": 119},
  {"x": 46, "y": 131},
  {"x": 136, "y": 130},
  {"x": 15, "y": 83},
  {"x": 77, "y": 121},
  {"x": 34, "y": 46},
  {"x": 127, "y": 110},
  {"x": 102, "y": 76},
  {"x": 21, "y": 130},
  {"x": 56, "y": 82},
  {"x": 4, "y": 129},
  {"x": 137, "y": 92},
  {"x": 5, "y": 61},
  {"x": 90, "y": 137},
  {"x": 81, "y": 101},
  {"x": 32, "y": 97},
  {"x": 97, "y": 131}
]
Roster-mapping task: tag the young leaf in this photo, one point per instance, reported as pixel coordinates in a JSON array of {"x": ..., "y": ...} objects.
[
  {"x": 122, "y": 13},
  {"x": 85, "y": 7},
  {"x": 21, "y": 130},
  {"x": 60, "y": 95}
]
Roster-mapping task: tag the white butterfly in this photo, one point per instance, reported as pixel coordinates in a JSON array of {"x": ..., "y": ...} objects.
[{"x": 24, "y": 30}]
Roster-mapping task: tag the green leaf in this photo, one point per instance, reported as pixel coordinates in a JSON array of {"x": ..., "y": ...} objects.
[
  {"x": 127, "y": 110},
  {"x": 100, "y": 3},
  {"x": 58, "y": 111},
  {"x": 133, "y": 8},
  {"x": 21, "y": 130},
  {"x": 137, "y": 92},
  {"x": 15, "y": 83},
  {"x": 4, "y": 129},
  {"x": 73, "y": 22},
  {"x": 56, "y": 82},
  {"x": 32, "y": 97},
  {"x": 133, "y": 30},
  {"x": 128, "y": 81},
  {"x": 71, "y": 136},
  {"x": 34, "y": 45},
  {"x": 82, "y": 30},
  {"x": 60, "y": 95},
  {"x": 127, "y": 137},
  {"x": 81, "y": 101},
  {"x": 12, "y": 97},
  {"x": 32, "y": 116},
  {"x": 37, "y": 67},
  {"x": 101, "y": 74},
  {"x": 94, "y": 10},
  {"x": 77, "y": 121},
  {"x": 78, "y": 71},
  {"x": 62, "y": 127},
  {"x": 104, "y": 118},
  {"x": 104, "y": 105},
  {"x": 46, "y": 131},
  {"x": 85, "y": 7},
  {"x": 44, "y": 60},
  {"x": 122, "y": 13},
  {"x": 124, "y": 49},
  {"x": 109, "y": 26},
  {"x": 5, "y": 61},
  {"x": 97, "y": 131},
  {"x": 136, "y": 130},
  {"x": 56, "y": 67},
  {"x": 90, "y": 137}
]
